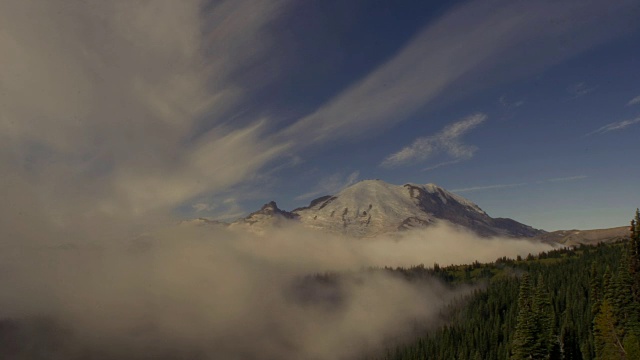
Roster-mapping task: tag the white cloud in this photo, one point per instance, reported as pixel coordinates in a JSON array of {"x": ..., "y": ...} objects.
[
  {"x": 103, "y": 101},
  {"x": 506, "y": 186},
  {"x": 330, "y": 185},
  {"x": 634, "y": 101},
  {"x": 439, "y": 165},
  {"x": 580, "y": 89},
  {"x": 200, "y": 207},
  {"x": 476, "y": 39},
  {"x": 226, "y": 209},
  {"x": 615, "y": 126},
  {"x": 227, "y": 206},
  {"x": 229, "y": 209},
  {"x": 569, "y": 178},
  {"x": 448, "y": 141},
  {"x": 510, "y": 105},
  {"x": 488, "y": 187},
  {"x": 216, "y": 293}
]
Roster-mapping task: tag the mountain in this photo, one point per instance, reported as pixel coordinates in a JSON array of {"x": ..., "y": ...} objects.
[
  {"x": 587, "y": 237},
  {"x": 372, "y": 207},
  {"x": 269, "y": 213}
]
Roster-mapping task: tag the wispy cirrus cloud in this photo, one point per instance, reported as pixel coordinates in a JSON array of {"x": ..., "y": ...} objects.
[
  {"x": 104, "y": 99},
  {"x": 488, "y": 187},
  {"x": 510, "y": 104},
  {"x": 228, "y": 209},
  {"x": 580, "y": 89},
  {"x": 225, "y": 209},
  {"x": 448, "y": 140},
  {"x": 477, "y": 37},
  {"x": 563, "y": 179},
  {"x": 615, "y": 126},
  {"x": 506, "y": 186},
  {"x": 634, "y": 101},
  {"x": 439, "y": 165},
  {"x": 330, "y": 185},
  {"x": 202, "y": 206}
]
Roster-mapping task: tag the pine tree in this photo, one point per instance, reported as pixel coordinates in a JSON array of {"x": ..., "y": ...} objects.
[
  {"x": 607, "y": 340},
  {"x": 608, "y": 293},
  {"x": 582, "y": 296},
  {"x": 524, "y": 338},
  {"x": 632, "y": 279},
  {"x": 622, "y": 288},
  {"x": 534, "y": 337},
  {"x": 595, "y": 295},
  {"x": 568, "y": 347},
  {"x": 544, "y": 321},
  {"x": 632, "y": 346},
  {"x": 634, "y": 257}
]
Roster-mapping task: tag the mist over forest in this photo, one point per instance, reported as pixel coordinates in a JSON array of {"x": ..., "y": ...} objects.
[{"x": 215, "y": 293}]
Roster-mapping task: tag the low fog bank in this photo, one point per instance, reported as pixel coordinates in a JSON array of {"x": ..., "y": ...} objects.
[
  {"x": 212, "y": 293},
  {"x": 442, "y": 243}
]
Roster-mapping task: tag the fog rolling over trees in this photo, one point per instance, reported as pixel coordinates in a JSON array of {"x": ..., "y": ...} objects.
[
  {"x": 210, "y": 294},
  {"x": 570, "y": 303}
]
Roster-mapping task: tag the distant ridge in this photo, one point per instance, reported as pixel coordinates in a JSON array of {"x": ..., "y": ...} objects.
[{"x": 587, "y": 237}]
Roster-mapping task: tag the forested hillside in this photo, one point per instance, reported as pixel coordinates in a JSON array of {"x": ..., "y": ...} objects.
[{"x": 581, "y": 303}]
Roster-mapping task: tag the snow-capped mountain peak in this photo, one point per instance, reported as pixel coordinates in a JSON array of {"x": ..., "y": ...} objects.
[
  {"x": 269, "y": 211},
  {"x": 444, "y": 195},
  {"x": 372, "y": 207}
]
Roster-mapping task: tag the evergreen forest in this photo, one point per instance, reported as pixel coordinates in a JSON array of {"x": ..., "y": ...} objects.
[{"x": 570, "y": 303}]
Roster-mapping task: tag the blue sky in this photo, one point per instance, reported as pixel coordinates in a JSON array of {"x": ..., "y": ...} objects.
[
  {"x": 542, "y": 154},
  {"x": 134, "y": 110}
]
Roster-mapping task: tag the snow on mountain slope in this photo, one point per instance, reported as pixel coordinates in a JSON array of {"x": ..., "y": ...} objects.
[
  {"x": 444, "y": 194},
  {"x": 268, "y": 216},
  {"x": 367, "y": 208},
  {"x": 372, "y": 207}
]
